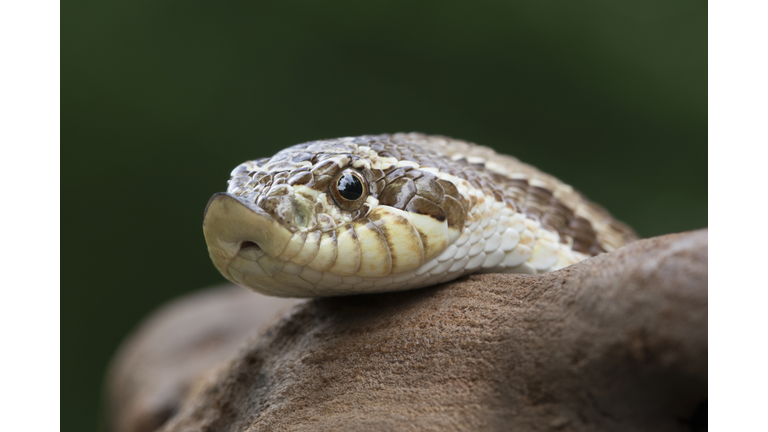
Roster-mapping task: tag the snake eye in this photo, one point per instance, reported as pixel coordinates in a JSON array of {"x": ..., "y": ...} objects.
[{"x": 348, "y": 189}]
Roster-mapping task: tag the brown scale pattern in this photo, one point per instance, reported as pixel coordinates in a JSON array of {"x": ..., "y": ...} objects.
[
  {"x": 534, "y": 201},
  {"x": 414, "y": 190},
  {"x": 422, "y": 192}
]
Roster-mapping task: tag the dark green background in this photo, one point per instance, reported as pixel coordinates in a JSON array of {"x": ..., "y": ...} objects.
[{"x": 161, "y": 99}]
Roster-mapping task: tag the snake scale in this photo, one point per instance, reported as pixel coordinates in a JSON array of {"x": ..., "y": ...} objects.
[{"x": 381, "y": 213}]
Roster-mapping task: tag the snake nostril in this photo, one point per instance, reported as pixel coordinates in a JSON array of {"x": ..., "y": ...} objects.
[
  {"x": 249, "y": 245},
  {"x": 250, "y": 251}
]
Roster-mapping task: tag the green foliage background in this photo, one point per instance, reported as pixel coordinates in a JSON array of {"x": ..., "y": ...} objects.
[{"x": 161, "y": 99}]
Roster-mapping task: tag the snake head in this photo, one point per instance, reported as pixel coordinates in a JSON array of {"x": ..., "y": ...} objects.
[
  {"x": 394, "y": 212},
  {"x": 329, "y": 216}
]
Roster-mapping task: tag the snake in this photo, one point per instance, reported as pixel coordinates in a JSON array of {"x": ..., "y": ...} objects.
[{"x": 393, "y": 212}]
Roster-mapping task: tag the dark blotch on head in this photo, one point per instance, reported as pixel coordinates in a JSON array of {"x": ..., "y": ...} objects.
[
  {"x": 398, "y": 193},
  {"x": 395, "y": 174},
  {"x": 429, "y": 188},
  {"x": 455, "y": 212},
  {"x": 425, "y": 207},
  {"x": 449, "y": 188}
]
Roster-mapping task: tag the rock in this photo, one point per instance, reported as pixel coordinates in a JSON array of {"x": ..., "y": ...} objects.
[
  {"x": 617, "y": 342},
  {"x": 178, "y": 346}
]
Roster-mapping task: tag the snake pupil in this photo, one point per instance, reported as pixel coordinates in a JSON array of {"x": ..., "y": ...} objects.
[{"x": 350, "y": 187}]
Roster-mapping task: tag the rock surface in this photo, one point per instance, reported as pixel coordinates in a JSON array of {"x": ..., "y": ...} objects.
[{"x": 617, "y": 342}]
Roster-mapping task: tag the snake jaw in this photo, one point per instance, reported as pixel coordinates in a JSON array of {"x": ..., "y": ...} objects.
[{"x": 229, "y": 223}]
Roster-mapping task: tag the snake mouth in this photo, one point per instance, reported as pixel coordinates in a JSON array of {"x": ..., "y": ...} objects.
[{"x": 232, "y": 227}]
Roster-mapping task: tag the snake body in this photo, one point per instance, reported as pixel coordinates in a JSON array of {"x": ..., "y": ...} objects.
[{"x": 395, "y": 212}]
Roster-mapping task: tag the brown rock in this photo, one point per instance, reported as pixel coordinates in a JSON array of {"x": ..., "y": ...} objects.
[
  {"x": 179, "y": 345},
  {"x": 618, "y": 342}
]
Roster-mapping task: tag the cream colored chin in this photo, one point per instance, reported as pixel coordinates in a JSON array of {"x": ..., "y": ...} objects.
[{"x": 229, "y": 223}]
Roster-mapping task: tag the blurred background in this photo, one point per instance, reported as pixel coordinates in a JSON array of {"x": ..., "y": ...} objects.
[{"x": 161, "y": 99}]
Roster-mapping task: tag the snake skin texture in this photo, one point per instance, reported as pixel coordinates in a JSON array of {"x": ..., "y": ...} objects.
[{"x": 395, "y": 212}]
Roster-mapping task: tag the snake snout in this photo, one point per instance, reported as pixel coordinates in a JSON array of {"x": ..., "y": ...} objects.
[{"x": 232, "y": 226}]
